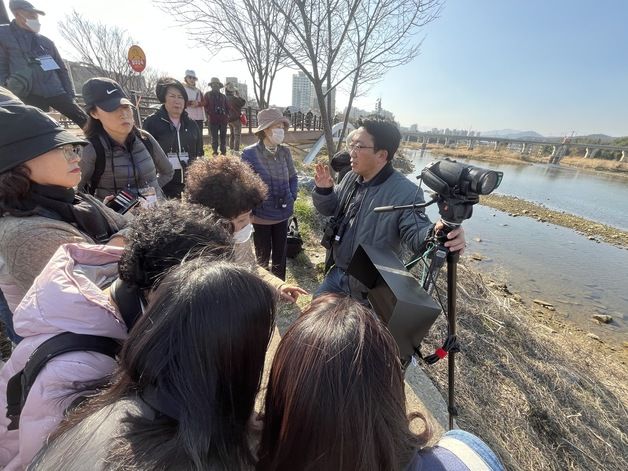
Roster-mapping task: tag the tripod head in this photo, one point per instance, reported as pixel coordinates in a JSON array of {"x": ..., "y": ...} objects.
[{"x": 458, "y": 188}]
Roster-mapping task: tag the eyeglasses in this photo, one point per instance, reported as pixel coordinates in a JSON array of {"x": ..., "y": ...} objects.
[
  {"x": 358, "y": 147},
  {"x": 71, "y": 152}
]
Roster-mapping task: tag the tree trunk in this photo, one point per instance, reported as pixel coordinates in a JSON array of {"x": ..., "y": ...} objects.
[{"x": 354, "y": 89}]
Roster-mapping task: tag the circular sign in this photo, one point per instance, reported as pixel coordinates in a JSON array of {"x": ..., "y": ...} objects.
[{"x": 137, "y": 58}]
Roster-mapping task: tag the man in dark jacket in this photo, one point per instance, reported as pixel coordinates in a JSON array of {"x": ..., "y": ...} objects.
[
  {"x": 372, "y": 182},
  {"x": 31, "y": 67},
  {"x": 216, "y": 108},
  {"x": 234, "y": 104}
]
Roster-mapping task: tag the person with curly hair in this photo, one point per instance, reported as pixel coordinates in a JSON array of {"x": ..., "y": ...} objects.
[
  {"x": 78, "y": 292},
  {"x": 232, "y": 189}
]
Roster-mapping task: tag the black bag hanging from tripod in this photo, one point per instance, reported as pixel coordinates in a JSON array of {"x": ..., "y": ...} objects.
[{"x": 295, "y": 242}]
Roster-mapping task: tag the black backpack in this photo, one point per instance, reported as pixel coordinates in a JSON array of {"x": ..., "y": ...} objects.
[
  {"x": 101, "y": 161},
  {"x": 21, "y": 383}
]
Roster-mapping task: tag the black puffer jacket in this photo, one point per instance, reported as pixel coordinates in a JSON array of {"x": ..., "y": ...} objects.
[{"x": 190, "y": 140}]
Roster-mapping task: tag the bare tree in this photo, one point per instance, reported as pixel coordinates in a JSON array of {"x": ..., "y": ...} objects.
[
  {"x": 101, "y": 47},
  {"x": 316, "y": 43},
  {"x": 333, "y": 40},
  {"x": 235, "y": 24},
  {"x": 382, "y": 37}
]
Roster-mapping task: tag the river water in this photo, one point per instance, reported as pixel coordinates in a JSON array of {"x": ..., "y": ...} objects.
[{"x": 555, "y": 264}]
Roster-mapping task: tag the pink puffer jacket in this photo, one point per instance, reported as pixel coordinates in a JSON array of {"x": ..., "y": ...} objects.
[{"x": 65, "y": 297}]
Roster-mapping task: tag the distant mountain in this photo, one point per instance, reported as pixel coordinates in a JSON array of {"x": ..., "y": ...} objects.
[{"x": 513, "y": 134}]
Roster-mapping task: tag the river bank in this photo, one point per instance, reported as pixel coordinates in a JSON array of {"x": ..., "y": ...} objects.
[
  {"x": 503, "y": 155},
  {"x": 541, "y": 391},
  {"x": 516, "y": 207}
]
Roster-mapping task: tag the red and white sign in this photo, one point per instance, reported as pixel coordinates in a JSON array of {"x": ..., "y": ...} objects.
[{"x": 137, "y": 58}]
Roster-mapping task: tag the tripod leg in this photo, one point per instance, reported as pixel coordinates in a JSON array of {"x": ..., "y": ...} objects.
[{"x": 452, "y": 279}]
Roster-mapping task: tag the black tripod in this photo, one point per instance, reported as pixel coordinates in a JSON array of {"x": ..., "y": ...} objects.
[{"x": 453, "y": 211}]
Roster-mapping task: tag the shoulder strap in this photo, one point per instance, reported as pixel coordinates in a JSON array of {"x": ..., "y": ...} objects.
[
  {"x": 143, "y": 136},
  {"x": 21, "y": 383},
  {"x": 99, "y": 166},
  {"x": 342, "y": 207}
]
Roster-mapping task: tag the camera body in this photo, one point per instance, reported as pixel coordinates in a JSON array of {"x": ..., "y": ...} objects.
[
  {"x": 280, "y": 202},
  {"x": 329, "y": 233}
]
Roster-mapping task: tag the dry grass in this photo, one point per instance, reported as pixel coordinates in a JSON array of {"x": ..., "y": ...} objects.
[{"x": 542, "y": 397}]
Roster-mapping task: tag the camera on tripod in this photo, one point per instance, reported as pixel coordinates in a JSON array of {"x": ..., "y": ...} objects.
[
  {"x": 458, "y": 187},
  {"x": 396, "y": 296}
]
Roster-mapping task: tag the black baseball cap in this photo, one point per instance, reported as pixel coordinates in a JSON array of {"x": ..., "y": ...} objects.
[
  {"x": 28, "y": 132},
  {"x": 104, "y": 93}
]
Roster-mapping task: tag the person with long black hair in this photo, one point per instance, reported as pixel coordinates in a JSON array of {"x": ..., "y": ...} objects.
[
  {"x": 184, "y": 392},
  {"x": 335, "y": 401},
  {"x": 77, "y": 293}
]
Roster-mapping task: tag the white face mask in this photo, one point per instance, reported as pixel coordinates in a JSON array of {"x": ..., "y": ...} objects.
[
  {"x": 244, "y": 234},
  {"x": 276, "y": 136},
  {"x": 33, "y": 25}
]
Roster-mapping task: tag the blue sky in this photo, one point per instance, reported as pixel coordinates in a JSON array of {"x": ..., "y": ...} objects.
[{"x": 553, "y": 66}]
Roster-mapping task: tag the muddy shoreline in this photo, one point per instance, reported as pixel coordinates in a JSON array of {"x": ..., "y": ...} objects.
[{"x": 595, "y": 231}]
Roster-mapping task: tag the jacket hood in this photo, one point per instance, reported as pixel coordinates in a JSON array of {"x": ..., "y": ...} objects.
[{"x": 67, "y": 296}]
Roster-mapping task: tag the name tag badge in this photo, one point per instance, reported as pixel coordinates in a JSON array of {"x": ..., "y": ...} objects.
[
  {"x": 174, "y": 160},
  {"x": 47, "y": 63},
  {"x": 149, "y": 197},
  {"x": 184, "y": 157}
]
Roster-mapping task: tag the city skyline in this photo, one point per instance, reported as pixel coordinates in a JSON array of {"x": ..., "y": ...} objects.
[{"x": 550, "y": 67}]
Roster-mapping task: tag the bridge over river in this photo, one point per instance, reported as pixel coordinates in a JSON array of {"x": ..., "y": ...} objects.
[{"x": 559, "y": 149}]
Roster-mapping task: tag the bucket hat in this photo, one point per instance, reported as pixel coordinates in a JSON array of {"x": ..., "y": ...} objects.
[
  {"x": 216, "y": 80},
  {"x": 28, "y": 132},
  {"x": 269, "y": 117},
  {"x": 104, "y": 93},
  {"x": 8, "y": 98},
  {"x": 23, "y": 5}
]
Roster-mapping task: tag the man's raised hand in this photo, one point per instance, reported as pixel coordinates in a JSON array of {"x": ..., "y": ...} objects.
[{"x": 323, "y": 179}]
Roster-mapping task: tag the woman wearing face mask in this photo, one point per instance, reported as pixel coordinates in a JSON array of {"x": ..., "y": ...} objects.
[
  {"x": 120, "y": 156},
  {"x": 208, "y": 181},
  {"x": 177, "y": 134},
  {"x": 31, "y": 66},
  {"x": 272, "y": 161}
]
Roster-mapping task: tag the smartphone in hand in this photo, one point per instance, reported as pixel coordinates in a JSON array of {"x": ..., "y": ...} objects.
[{"x": 123, "y": 201}]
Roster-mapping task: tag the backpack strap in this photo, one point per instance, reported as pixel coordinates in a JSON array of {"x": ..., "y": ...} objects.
[
  {"x": 21, "y": 383},
  {"x": 99, "y": 166},
  {"x": 144, "y": 137}
]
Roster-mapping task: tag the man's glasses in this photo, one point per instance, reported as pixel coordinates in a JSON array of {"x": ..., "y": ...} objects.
[
  {"x": 71, "y": 152},
  {"x": 358, "y": 147}
]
